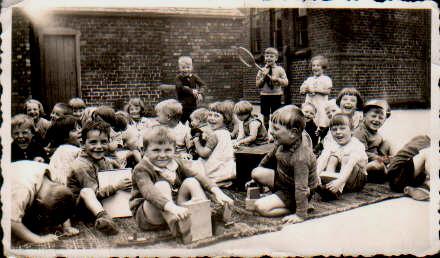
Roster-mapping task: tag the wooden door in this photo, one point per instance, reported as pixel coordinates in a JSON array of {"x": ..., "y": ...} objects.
[{"x": 60, "y": 75}]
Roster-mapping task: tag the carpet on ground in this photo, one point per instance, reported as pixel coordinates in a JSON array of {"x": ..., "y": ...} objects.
[{"x": 246, "y": 223}]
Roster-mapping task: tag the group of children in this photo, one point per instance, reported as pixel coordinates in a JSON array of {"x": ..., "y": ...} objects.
[{"x": 325, "y": 146}]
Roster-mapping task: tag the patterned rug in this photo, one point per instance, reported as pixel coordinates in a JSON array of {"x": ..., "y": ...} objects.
[{"x": 246, "y": 223}]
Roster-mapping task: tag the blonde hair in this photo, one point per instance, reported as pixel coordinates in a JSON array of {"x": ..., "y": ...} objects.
[
  {"x": 34, "y": 101},
  {"x": 159, "y": 135},
  {"x": 171, "y": 107},
  {"x": 184, "y": 60},
  {"x": 243, "y": 107},
  {"x": 200, "y": 114},
  {"x": 77, "y": 103},
  {"x": 271, "y": 50},
  {"x": 323, "y": 61}
]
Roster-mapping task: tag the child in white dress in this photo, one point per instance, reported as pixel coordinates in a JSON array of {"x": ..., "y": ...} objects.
[
  {"x": 218, "y": 162},
  {"x": 317, "y": 88}
]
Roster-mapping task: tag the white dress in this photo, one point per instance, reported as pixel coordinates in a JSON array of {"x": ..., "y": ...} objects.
[
  {"x": 220, "y": 166},
  {"x": 322, "y": 82}
]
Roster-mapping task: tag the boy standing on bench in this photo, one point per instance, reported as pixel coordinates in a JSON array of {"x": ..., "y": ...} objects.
[
  {"x": 162, "y": 185},
  {"x": 289, "y": 170}
]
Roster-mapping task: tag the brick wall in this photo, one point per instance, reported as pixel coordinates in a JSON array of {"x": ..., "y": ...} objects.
[
  {"x": 130, "y": 56},
  {"x": 21, "y": 60},
  {"x": 383, "y": 53},
  {"x": 209, "y": 43},
  {"x": 120, "y": 57}
]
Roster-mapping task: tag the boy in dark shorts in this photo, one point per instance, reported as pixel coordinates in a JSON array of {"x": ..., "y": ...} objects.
[
  {"x": 290, "y": 169},
  {"x": 409, "y": 169},
  {"x": 271, "y": 80}
]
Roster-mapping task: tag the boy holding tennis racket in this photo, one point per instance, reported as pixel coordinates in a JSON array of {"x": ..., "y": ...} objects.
[{"x": 270, "y": 79}]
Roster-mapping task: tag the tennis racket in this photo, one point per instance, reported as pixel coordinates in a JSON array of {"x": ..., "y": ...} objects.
[{"x": 248, "y": 59}]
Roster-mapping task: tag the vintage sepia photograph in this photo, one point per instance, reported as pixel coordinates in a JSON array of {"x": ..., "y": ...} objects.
[{"x": 243, "y": 128}]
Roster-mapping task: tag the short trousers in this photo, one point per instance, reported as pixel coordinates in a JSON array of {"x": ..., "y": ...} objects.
[
  {"x": 403, "y": 175},
  {"x": 354, "y": 183},
  {"x": 289, "y": 202},
  {"x": 144, "y": 223}
]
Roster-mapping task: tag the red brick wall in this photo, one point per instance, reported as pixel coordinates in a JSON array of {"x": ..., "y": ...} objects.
[
  {"x": 130, "y": 56},
  {"x": 383, "y": 53}
]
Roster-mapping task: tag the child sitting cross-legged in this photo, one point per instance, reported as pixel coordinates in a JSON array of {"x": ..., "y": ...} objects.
[
  {"x": 83, "y": 178},
  {"x": 38, "y": 203},
  {"x": 289, "y": 169},
  {"x": 162, "y": 183},
  {"x": 376, "y": 111},
  {"x": 24, "y": 145},
  {"x": 342, "y": 164},
  {"x": 253, "y": 127}
]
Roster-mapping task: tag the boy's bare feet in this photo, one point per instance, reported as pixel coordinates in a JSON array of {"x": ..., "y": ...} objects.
[
  {"x": 105, "y": 224},
  {"x": 417, "y": 193}
]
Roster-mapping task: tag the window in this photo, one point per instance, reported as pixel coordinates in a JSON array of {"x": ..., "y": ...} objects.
[
  {"x": 300, "y": 29},
  {"x": 276, "y": 21},
  {"x": 255, "y": 22}
]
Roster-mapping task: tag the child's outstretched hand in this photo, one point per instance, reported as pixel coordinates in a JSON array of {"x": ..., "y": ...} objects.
[
  {"x": 124, "y": 184},
  {"x": 293, "y": 218},
  {"x": 221, "y": 197}
]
